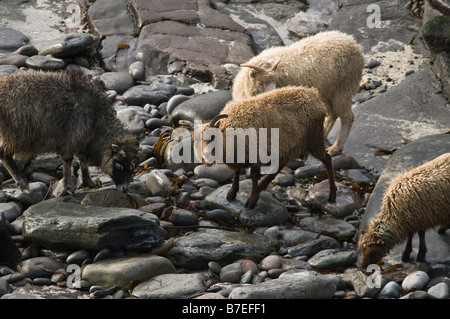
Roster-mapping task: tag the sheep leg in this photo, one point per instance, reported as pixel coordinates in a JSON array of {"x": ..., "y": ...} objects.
[
  {"x": 346, "y": 126},
  {"x": 255, "y": 172},
  {"x": 408, "y": 248},
  {"x": 85, "y": 176},
  {"x": 422, "y": 247},
  {"x": 329, "y": 166},
  {"x": 14, "y": 170},
  {"x": 67, "y": 181},
  {"x": 329, "y": 123},
  {"x": 231, "y": 195}
]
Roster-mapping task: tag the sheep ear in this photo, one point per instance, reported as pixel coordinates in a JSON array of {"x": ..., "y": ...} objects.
[
  {"x": 254, "y": 67},
  {"x": 380, "y": 242}
]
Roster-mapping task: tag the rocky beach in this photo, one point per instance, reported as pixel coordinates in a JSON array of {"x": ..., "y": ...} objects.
[{"x": 164, "y": 65}]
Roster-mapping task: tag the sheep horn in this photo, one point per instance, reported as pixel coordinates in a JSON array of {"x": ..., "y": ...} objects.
[
  {"x": 254, "y": 67},
  {"x": 122, "y": 153},
  {"x": 217, "y": 118},
  {"x": 275, "y": 64}
]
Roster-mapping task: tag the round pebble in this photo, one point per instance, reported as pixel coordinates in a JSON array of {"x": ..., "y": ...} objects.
[
  {"x": 270, "y": 262},
  {"x": 390, "y": 290},
  {"x": 77, "y": 257},
  {"x": 231, "y": 273},
  {"x": 439, "y": 291},
  {"x": 415, "y": 281}
]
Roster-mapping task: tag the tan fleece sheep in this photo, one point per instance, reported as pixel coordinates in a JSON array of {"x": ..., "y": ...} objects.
[
  {"x": 415, "y": 201},
  {"x": 297, "y": 113},
  {"x": 330, "y": 61}
]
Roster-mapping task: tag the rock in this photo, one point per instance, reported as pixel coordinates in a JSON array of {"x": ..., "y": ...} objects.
[
  {"x": 231, "y": 273},
  {"x": 46, "y": 63},
  {"x": 415, "y": 110},
  {"x": 332, "y": 258},
  {"x": 9, "y": 253},
  {"x": 313, "y": 246},
  {"x": 284, "y": 180},
  {"x": 7, "y": 69},
  {"x": 329, "y": 226},
  {"x": 415, "y": 281},
  {"x": 124, "y": 271},
  {"x": 117, "y": 81},
  {"x": 10, "y": 210},
  {"x": 359, "y": 283},
  {"x": 196, "y": 250},
  {"x": 118, "y": 51},
  {"x": 372, "y": 64},
  {"x": 302, "y": 285},
  {"x": 157, "y": 182},
  {"x": 131, "y": 120},
  {"x": 155, "y": 93},
  {"x": 201, "y": 107},
  {"x": 11, "y": 39},
  {"x": 268, "y": 211},
  {"x": 270, "y": 262},
  {"x": 13, "y": 59},
  {"x": 39, "y": 267},
  {"x": 441, "y": 67},
  {"x": 108, "y": 18},
  {"x": 219, "y": 172},
  {"x": 77, "y": 257},
  {"x": 60, "y": 225},
  {"x": 70, "y": 45},
  {"x": 137, "y": 71},
  {"x": 347, "y": 201},
  {"x": 183, "y": 217},
  {"x": 35, "y": 194},
  {"x": 112, "y": 198},
  {"x": 439, "y": 291},
  {"x": 390, "y": 290},
  {"x": 170, "y": 286},
  {"x": 175, "y": 101},
  {"x": 205, "y": 56},
  {"x": 436, "y": 33}
]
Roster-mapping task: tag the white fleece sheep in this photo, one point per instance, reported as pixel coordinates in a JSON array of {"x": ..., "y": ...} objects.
[{"x": 330, "y": 61}]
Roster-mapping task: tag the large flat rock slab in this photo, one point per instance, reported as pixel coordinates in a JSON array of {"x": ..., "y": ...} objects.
[{"x": 413, "y": 109}]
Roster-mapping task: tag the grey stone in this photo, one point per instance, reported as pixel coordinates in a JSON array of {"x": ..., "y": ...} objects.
[
  {"x": 347, "y": 201},
  {"x": 436, "y": 33},
  {"x": 415, "y": 281},
  {"x": 231, "y": 273},
  {"x": 156, "y": 93},
  {"x": 439, "y": 291},
  {"x": 137, "y": 71},
  {"x": 406, "y": 112},
  {"x": 219, "y": 172},
  {"x": 196, "y": 250},
  {"x": 329, "y": 226},
  {"x": 332, "y": 258},
  {"x": 131, "y": 120},
  {"x": 47, "y": 63},
  {"x": 11, "y": 39},
  {"x": 268, "y": 211},
  {"x": 60, "y": 225},
  {"x": 202, "y": 107},
  {"x": 35, "y": 194},
  {"x": 39, "y": 267},
  {"x": 124, "y": 271},
  {"x": 312, "y": 247},
  {"x": 302, "y": 285},
  {"x": 270, "y": 262},
  {"x": 110, "y": 17},
  {"x": 183, "y": 217},
  {"x": 70, "y": 45},
  {"x": 117, "y": 81},
  {"x": 390, "y": 290},
  {"x": 157, "y": 181},
  {"x": 170, "y": 286}
]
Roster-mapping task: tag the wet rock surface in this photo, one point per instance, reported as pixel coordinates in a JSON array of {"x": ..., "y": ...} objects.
[{"x": 174, "y": 235}]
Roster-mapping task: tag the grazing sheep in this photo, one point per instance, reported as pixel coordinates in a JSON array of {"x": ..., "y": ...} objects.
[
  {"x": 67, "y": 113},
  {"x": 415, "y": 201},
  {"x": 330, "y": 61},
  {"x": 297, "y": 113}
]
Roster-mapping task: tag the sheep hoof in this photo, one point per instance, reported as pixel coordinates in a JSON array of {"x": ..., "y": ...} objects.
[
  {"x": 231, "y": 196},
  {"x": 333, "y": 150},
  {"x": 250, "y": 204}
]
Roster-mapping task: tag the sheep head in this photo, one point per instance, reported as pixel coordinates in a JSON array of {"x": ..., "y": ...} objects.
[
  {"x": 206, "y": 152},
  {"x": 372, "y": 247},
  {"x": 263, "y": 75},
  {"x": 120, "y": 160}
]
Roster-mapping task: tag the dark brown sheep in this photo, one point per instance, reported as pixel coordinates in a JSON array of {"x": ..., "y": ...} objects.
[{"x": 67, "y": 113}]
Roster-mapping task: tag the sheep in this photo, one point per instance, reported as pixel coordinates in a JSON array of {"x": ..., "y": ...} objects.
[
  {"x": 297, "y": 113},
  {"x": 330, "y": 61},
  {"x": 67, "y": 113},
  {"x": 414, "y": 201}
]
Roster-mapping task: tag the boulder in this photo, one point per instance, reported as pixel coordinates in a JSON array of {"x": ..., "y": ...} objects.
[
  {"x": 196, "y": 250},
  {"x": 61, "y": 225}
]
